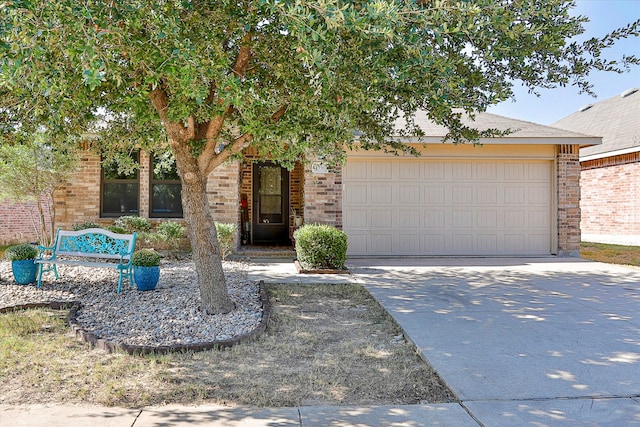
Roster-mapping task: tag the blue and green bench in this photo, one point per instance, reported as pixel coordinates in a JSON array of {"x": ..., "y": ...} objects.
[{"x": 92, "y": 247}]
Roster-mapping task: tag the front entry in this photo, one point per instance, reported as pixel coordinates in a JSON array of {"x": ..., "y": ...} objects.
[{"x": 270, "y": 218}]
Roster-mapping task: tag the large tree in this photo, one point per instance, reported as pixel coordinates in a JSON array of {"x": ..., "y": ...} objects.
[{"x": 209, "y": 78}]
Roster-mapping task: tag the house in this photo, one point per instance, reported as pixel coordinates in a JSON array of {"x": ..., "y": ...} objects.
[
  {"x": 610, "y": 172},
  {"x": 513, "y": 195}
]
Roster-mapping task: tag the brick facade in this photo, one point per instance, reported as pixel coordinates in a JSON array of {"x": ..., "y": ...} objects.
[
  {"x": 315, "y": 193},
  {"x": 610, "y": 203},
  {"x": 568, "y": 186},
  {"x": 19, "y": 222},
  {"x": 323, "y": 197},
  {"x": 78, "y": 200}
]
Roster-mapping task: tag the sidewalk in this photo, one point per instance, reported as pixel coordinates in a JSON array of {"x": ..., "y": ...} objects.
[{"x": 174, "y": 415}]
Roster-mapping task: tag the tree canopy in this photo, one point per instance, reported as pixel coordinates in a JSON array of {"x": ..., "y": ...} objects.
[{"x": 292, "y": 78}]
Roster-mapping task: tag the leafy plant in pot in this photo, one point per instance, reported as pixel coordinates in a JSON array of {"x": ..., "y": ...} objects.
[
  {"x": 146, "y": 269},
  {"x": 23, "y": 264}
]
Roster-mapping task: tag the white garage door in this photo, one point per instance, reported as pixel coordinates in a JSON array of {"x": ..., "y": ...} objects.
[{"x": 445, "y": 207}]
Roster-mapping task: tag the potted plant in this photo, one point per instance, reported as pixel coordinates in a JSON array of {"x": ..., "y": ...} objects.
[
  {"x": 23, "y": 264},
  {"x": 146, "y": 269}
]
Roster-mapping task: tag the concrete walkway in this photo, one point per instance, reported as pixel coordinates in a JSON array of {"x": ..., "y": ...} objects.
[{"x": 540, "y": 342}]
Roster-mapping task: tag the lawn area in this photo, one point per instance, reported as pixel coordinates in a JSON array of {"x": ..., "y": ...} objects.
[
  {"x": 612, "y": 254},
  {"x": 325, "y": 345}
]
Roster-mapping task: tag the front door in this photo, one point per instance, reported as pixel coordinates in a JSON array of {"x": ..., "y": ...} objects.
[{"x": 270, "y": 219}]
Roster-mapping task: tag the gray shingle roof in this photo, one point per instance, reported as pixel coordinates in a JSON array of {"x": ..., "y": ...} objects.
[
  {"x": 616, "y": 120},
  {"x": 483, "y": 121}
]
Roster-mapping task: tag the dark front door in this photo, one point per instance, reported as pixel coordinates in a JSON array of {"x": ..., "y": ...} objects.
[{"x": 270, "y": 220}]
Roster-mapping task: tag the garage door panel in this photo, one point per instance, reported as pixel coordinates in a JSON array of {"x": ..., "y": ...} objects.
[
  {"x": 462, "y": 195},
  {"x": 356, "y": 194},
  {"x": 434, "y": 219},
  {"x": 462, "y": 171},
  {"x": 382, "y": 219},
  {"x": 382, "y": 243},
  {"x": 381, "y": 171},
  {"x": 434, "y": 244},
  {"x": 382, "y": 194},
  {"x": 462, "y": 219},
  {"x": 434, "y": 195},
  {"x": 409, "y": 219},
  {"x": 358, "y": 243},
  {"x": 487, "y": 243},
  {"x": 410, "y": 171},
  {"x": 411, "y": 244},
  {"x": 409, "y": 195},
  {"x": 500, "y": 207},
  {"x": 486, "y": 171},
  {"x": 356, "y": 219},
  {"x": 434, "y": 171}
]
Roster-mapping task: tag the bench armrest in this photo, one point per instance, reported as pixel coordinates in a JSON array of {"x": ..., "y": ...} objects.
[{"x": 43, "y": 249}]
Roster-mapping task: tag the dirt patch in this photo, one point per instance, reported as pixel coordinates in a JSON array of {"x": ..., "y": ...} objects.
[{"x": 325, "y": 344}]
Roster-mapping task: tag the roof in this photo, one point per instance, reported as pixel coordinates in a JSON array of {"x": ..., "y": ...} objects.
[
  {"x": 616, "y": 120},
  {"x": 523, "y": 132}
]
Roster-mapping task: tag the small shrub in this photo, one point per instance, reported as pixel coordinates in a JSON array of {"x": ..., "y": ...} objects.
[
  {"x": 321, "y": 247},
  {"x": 84, "y": 226},
  {"x": 226, "y": 237},
  {"x": 171, "y": 232},
  {"x": 145, "y": 258},
  {"x": 21, "y": 252},
  {"x": 133, "y": 223},
  {"x": 117, "y": 229}
]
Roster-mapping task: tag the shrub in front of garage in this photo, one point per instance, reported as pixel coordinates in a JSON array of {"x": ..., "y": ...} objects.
[{"x": 320, "y": 247}]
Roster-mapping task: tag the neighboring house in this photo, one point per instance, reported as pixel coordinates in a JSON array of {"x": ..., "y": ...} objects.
[
  {"x": 19, "y": 222},
  {"x": 515, "y": 195},
  {"x": 610, "y": 177}
]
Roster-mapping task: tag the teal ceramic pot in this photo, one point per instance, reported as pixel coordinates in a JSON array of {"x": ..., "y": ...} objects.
[
  {"x": 146, "y": 278},
  {"x": 24, "y": 271}
]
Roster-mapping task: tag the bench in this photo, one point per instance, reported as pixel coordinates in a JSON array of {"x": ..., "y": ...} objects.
[{"x": 93, "y": 247}]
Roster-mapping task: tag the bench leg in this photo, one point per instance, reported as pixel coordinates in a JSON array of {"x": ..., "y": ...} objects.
[{"x": 42, "y": 270}]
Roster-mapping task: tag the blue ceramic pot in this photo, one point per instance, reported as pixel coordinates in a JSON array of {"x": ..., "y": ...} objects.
[
  {"x": 24, "y": 271},
  {"x": 146, "y": 278}
]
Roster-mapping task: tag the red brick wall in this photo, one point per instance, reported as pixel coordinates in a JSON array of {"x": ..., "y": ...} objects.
[
  {"x": 19, "y": 222},
  {"x": 611, "y": 195}
]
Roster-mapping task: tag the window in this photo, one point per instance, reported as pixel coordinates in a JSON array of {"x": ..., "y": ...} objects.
[
  {"x": 165, "y": 188},
  {"x": 120, "y": 192}
]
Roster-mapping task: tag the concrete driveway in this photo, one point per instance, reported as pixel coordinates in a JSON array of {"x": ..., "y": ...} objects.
[{"x": 547, "y": 341}]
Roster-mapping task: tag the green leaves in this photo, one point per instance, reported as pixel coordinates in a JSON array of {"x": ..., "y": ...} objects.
[{"x": 226, "y": 68}]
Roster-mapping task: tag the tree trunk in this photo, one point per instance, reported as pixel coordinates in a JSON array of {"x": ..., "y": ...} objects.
[{"x": 203, "y": 237}]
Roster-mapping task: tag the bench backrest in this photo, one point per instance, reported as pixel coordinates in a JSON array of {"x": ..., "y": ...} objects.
[{"x": 95, "y": 242}]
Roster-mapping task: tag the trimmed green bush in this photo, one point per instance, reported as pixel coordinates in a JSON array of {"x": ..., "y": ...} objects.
[
  {"x": 321, "y": 247},
  {"x": 133, "y": 223},
  {"x": 116, "y": 229},
  {"x": 226, "y": 237},
  {"x": 171, "y": 232},
  {"x": 84, "y": 226},
  {"x": 145, "y": 258},
  {"x": 21, "y": 252}
]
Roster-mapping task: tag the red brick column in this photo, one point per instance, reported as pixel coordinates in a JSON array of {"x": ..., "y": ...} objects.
[
  {"x": 322, "y": 197},
  {"x": 568, "y": 182}
]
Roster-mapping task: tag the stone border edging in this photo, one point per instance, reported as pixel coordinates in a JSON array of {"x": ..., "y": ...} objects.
[{"x": 111, "y": 346}]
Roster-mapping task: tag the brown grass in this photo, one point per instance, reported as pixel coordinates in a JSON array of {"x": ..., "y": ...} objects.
[
  {"x": 325, "y": 345},
  {"x": 612, "y": 254}
]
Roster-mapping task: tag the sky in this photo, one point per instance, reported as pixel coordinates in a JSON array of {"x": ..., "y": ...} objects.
[{"x": 604, "y": 16}]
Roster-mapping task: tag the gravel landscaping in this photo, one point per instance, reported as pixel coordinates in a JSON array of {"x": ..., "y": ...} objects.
[{"x": 167, "y": 316}]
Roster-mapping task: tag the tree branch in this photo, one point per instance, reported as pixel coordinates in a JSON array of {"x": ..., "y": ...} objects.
[
  {"x": 214, "y": 127},
  {"x": 177, "y": 132},
  {"x": 238, "y": 145}
]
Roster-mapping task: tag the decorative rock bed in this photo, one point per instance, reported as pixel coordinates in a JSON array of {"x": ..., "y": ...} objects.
[{"x": 166, "y": 319}]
